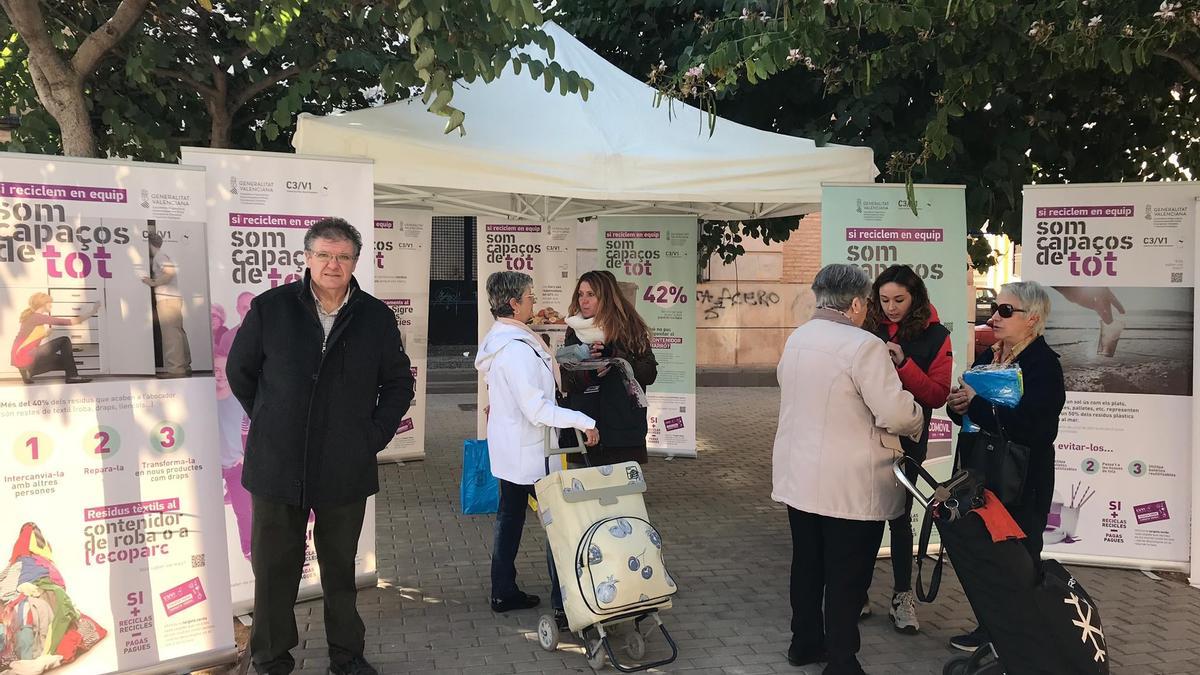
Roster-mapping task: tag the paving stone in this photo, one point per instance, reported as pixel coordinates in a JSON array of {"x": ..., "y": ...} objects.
[{"x": 727, "y": 545}]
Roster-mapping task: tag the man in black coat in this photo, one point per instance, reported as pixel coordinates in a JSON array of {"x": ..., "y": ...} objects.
[{"x": 319, "y": 366}]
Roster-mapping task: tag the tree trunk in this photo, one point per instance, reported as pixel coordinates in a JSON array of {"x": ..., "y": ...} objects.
[
  {"x": 220, "y": 124},
  {"x": 67, "y": 105},
  {"x": 58, "y": 80}
]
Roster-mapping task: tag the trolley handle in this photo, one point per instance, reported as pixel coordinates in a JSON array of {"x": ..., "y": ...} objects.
[
  {"x": 551, "y": 451},
  {"x": 913, "y": 486},
  {"x": 607, "y": 496}
]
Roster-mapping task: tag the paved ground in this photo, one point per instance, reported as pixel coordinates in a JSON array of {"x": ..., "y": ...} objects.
[{"x": 728, "y": 547}]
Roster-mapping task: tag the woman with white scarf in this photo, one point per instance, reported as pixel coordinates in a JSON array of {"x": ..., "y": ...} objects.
[
  {"x": 603, "y": 324},
  {"x": 521, "y": 385}
]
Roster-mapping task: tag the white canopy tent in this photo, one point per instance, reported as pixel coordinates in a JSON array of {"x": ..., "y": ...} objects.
[{"x": 532, "y": 155}]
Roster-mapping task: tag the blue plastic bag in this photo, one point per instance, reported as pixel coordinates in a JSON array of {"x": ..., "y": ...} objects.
[
  {"x": 480, "y": 490},
  {"x": 998, "y": 385}
]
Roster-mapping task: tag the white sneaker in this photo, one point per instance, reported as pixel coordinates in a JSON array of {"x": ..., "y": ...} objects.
[{"x": 904, "y": 613}]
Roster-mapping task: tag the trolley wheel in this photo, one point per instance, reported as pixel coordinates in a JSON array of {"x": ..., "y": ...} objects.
[
  {"x": 547, "y": 631},
  {"x": 635, "y": 644},
  {"x": 596, "y": 656},
  {"x": 956, "y": 666}
]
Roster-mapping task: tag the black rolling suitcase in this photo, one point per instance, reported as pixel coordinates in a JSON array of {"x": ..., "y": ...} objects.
[{"x": 1040, "y": 621}]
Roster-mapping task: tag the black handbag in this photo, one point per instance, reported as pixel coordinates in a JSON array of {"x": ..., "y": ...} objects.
[{"x": 1003, "y": 463}]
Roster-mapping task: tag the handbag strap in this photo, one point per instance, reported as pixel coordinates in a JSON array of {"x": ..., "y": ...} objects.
[{"x": 935, "y": 579}]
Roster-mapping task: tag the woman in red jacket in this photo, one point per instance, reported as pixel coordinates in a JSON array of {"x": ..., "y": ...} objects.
[
  {"x": 32, "y": 354},
  {"x": 902, "y": 316}
]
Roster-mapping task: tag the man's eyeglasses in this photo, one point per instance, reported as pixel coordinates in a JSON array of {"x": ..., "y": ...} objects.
[
  {"x": 1005, "y": 310},
  {"x": 326, "y": 258}
]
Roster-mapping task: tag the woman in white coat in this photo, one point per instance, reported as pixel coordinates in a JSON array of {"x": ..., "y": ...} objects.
[
  {"x": 841, "y": 409},
  {"x": 521, "y": 384}
]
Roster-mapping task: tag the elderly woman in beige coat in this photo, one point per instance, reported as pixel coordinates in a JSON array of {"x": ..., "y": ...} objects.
[{"x": 841, "y": 409}]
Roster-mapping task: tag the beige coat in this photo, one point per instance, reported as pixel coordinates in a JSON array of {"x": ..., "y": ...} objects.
[{"x": 841, "y": 408}]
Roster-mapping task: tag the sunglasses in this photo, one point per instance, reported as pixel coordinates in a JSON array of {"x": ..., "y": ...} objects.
[{"x": 1005, "y": 310}]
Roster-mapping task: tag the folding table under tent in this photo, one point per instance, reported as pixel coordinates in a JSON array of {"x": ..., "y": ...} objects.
[{"x": 533, "y": 155}]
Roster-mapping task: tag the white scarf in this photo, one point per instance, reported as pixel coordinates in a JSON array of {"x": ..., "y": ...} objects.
[{"x": 585, "y": 329}]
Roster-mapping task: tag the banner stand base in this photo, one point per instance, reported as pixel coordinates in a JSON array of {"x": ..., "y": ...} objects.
[{"x": 670, "y": 455}]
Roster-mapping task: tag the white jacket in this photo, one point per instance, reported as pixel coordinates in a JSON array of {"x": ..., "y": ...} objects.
[
  {"x": 520, "y": 384},
  {"x": 841, "y": 407}
]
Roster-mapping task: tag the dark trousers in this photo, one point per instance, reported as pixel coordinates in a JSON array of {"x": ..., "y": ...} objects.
[
  {"x": 832, "y": 562},
  {"x": 54, "y": 355},
  {"x": 901, "y": 532},
  {"x": 510, "y": 524},
  {"x": 277, "y": 541}
]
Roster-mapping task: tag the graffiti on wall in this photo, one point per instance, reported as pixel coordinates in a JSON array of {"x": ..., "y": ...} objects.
[{"x": 714, "y": 301}]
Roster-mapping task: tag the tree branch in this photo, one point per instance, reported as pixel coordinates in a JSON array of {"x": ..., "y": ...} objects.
[
  {"x": 26, "y": 17},
  {"x": 88, "y": 56},
  {"x": 1190, "y": 68},
  {"x": 201, "y": 88},
  {"x": 262, "y": 85}
]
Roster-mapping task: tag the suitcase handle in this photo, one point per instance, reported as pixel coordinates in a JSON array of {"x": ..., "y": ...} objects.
[{"x": 607, "y": 496}]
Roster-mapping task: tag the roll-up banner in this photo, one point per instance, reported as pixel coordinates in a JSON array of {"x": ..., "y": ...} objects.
[
  {"x": 544, "y": 251},
  {"x": 1119, "y": 263},
  {"x": 873, "y": 227},
  {"x": 111, "y": 496},
  {"x": 654, "y": 260},
  {"x": 401, "y": 262},
  {"x": 259, "y": 206}
]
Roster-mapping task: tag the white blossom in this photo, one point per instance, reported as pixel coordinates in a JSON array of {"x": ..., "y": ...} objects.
[
  {"x": 793, "y": 55},
  {"x": 1166, "y": 11},
  {"x": 1095, "y": 21}
]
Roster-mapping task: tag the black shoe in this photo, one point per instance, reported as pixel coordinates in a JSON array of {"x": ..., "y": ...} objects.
[
  {"x": 25, "y": 376},
  {"x": 798, "y": 658},
  {"x": 853, "y": 668},
  {"x": 355, "y": 666},
  {"x": 78, "y": 380},
  {"x": 518, "y": 601},
  {"x": 971, "y": 641}
]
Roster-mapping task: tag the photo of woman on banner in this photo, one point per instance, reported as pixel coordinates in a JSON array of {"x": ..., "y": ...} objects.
[
  {"x": 919, "y": 346},
  {"x": 605, "y": 330},
  {"x": 32, "y": 354},
  {"x": 1019, "y": 322}
]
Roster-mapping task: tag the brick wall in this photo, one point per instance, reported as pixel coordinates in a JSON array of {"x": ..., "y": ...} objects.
[{"x": 802, "y": 251}]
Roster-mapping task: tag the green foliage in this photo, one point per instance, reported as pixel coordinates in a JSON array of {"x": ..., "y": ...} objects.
[
  {"x": 992, "y": 94},
  {"x": 237, "y": 73}
]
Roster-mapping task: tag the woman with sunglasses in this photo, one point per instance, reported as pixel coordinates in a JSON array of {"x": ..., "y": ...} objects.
[
  {"x": 919, "y": 345},
  {"x": 1019, "y": 321}
]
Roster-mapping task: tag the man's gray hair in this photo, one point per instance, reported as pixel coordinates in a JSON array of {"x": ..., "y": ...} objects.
[
  {"x": 503, "y": 287},
  {"x": 1034, "y": 300},
  {"x": 838, "y": 284},
  {"x": 333, "y": 229}
]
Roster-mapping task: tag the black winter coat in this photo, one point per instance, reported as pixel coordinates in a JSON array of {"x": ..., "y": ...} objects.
[
  {"x": 1034, "y": 420},
  {"x": 318, "y": 420},
  {"x": 622, "y": 425}
]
